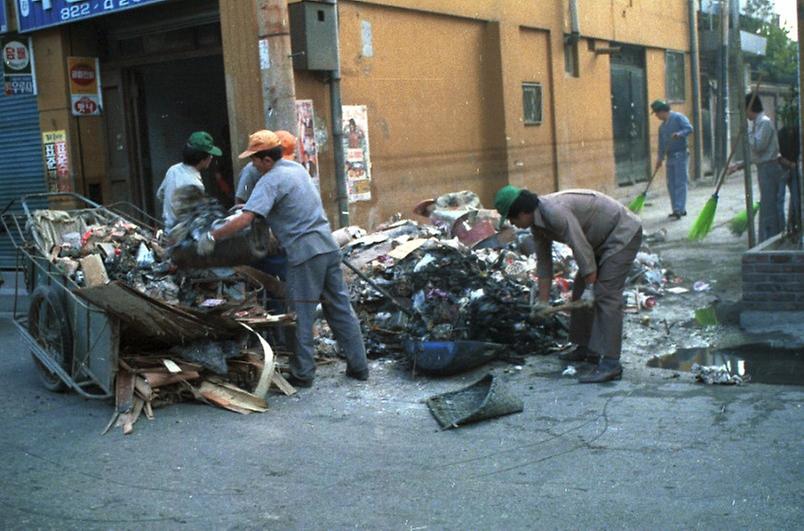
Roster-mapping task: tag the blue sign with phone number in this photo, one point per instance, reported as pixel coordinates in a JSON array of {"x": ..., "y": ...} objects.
[{"x": 37, "y": 14}]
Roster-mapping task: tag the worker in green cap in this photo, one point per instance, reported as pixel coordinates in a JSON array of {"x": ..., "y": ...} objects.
[
  {"x": 604, "y": 237},
  {"x": 673, "y": 133},
  {"x": 196, "y": 157}
]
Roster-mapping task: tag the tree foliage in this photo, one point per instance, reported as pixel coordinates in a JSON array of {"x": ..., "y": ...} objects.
[{"x": 780, "y": 63}]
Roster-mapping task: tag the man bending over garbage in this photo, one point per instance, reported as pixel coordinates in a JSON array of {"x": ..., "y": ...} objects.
[
  {"x": 286, "y": 197},
  {"x": 604, "y": 237}
]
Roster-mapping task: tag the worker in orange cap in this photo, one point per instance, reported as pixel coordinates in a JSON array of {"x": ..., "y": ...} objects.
[
  {"x": 287, "y": 199},
  {"x": 250, "y": 175}
]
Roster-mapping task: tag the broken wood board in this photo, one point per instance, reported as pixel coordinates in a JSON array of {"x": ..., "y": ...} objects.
[
  {"x": 124, "y": 391},
  {"x": 160, "y": 379},
  {"x": 272, "y": 284},
  {"x": 232, "y": 398},
  {"x": 268, "y": 360},
  {"x": 369, "y": 240},
  {"x": 402, "y": 251},
  {"x": 94, "y": 271},
  {"x": 150, "y": 318},
  {"x": 282, "y": 384}
]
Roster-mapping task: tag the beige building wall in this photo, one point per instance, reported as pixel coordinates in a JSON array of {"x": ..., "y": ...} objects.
[{"x": 443, "y": 90}]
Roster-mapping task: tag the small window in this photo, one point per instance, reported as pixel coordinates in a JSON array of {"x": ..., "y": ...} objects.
[
  {"x": 571, "y": 58},
  {"x": 532, "y": 103},
  {"x": 674, "y": 76}
]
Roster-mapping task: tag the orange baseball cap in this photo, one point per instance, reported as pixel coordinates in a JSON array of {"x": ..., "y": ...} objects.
[
  {"x": 288, "y": 143},
  {"x": 260, "y": 141}
]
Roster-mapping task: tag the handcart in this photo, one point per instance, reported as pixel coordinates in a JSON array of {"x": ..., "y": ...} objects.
[{"x": 76, "y": 334}]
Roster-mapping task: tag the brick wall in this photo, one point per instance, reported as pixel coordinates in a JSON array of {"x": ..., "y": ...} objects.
[{"x": 773, "y": 280}]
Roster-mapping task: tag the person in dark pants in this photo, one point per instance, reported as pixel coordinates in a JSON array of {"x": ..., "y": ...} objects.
[
  {"x": 604, "y": 237},
  {"x": 770, "y": 174},
  {"x": 673, "y": 135},
  {"x": 789, "y": 151},
  {"x": 286, "y": 197}
]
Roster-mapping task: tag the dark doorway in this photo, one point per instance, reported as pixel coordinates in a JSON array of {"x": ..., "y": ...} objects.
[{"x": 630, "y": 115}]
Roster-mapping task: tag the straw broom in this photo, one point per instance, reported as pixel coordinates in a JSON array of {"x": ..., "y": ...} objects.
[
  {"x": 739, "y": 223},
  {"x": 703, "y": 224}
]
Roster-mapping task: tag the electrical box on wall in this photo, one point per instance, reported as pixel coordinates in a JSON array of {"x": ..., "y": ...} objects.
[{"x": 313, "y": 34}]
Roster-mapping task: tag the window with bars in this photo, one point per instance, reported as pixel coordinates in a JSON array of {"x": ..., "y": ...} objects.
[
  {"x": 532, "y": 103},
  {"x": 674, "y": 76}
]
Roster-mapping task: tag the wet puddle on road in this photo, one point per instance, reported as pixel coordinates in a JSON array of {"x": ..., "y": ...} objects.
[{"x": 763, "y": 363}]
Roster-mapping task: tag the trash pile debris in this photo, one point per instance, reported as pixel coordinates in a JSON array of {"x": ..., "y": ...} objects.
[
  {"x": 184, "y": 334},
  {"x": 456, "y": 282},
  {"x": 715, "y": 374}
]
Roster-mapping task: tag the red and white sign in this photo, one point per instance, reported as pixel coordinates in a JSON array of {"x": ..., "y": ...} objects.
[
  {"x": 16, "y": 56},
  {"x": 85, "y": 91}
]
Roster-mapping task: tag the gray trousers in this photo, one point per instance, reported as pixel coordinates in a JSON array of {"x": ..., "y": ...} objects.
[
  {"x": 320, "y": 279},
  {"x": 770, "y": 176},
  {"x": 600, "y": 328},
  {"x": 677, "y": 177}
]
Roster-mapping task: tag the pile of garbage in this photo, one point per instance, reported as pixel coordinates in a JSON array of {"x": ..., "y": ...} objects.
[{"x": 457, "y": 278}]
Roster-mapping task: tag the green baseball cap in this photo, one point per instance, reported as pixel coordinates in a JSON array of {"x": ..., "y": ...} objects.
[
  {"x": 202, "y": 141},
  {"x": 660, "y": 105},
  {"x": 504, "y": 199}
]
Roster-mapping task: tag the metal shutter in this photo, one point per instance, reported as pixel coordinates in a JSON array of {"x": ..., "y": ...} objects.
[{"x": 21, "y": 168}]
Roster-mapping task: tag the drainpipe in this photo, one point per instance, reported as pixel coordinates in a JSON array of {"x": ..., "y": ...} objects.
[
  {"x": 575, "y": 26},
  {"x": 697, "y": 133},
  {"x": 336, "y": 104}
]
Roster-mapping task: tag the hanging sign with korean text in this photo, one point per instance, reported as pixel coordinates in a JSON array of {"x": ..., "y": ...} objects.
[
  {"x": 37, "y": 14},
  {"x": 57, "y": 163},
  {"x": 18, "y": 66},
  {"x": 85, "y": 94}
]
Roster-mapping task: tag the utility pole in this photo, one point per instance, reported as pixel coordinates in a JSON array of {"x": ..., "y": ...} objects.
[
  {"x": 696, "y": 90},
  {"x": 739, "y": 98},
  {"x": 723, "y": 89},
  {"x": 337, "y": 129},
  {"x": 276, "y": 65}
]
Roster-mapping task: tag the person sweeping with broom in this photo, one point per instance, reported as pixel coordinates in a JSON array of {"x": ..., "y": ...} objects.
[
  {"x": 604, "y": 237},
  {"x": 673, "y": 133},
  {"x": 764, "y": 145}
]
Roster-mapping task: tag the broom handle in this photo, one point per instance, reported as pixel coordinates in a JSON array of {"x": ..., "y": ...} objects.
[
  {"x": 739, "y": 139},
  {"x": 653, "y": 175}
]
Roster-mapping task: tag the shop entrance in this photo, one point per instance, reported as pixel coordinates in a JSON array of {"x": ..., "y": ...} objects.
[{"x": 161, "y": 82}]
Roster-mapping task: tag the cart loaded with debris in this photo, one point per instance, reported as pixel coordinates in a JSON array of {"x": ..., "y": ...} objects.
[{"x": 109, "y": 316}]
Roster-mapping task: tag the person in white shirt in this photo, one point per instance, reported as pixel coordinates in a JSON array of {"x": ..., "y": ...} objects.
[{"x": 196, "y": 157}]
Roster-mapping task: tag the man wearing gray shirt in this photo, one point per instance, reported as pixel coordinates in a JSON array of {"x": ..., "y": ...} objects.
[
  {"x": 770, "y": 174},
  {"x": 288, "y": 200}
]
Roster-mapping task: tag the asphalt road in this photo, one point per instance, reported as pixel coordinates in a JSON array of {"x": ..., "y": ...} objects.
[{"x": 651, "y": 451}]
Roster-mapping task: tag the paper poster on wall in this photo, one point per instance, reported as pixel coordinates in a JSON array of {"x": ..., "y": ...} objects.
[
  {"x": 85, "y": 94},
  {"x": 306, "y": 146},
  {"x": 57, "y": 162},
  {"x": 356, "y": 152},
  {"x": 18, "y": 66}
]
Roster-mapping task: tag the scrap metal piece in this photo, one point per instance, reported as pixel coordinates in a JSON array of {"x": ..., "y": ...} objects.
[{"x": 484, "y": 399}]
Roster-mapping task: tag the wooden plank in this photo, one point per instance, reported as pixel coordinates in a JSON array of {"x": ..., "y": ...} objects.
[
  {"x": 160, "y": 379},
  {"x": 143, "y": 388},
  {"x": 406, "y": 248},
  {"x": 124, "y": 391},
  {"x": 94, "y": 271},
  {"x": 279, "y": 381},
  {"x": 232, "y": 398}
]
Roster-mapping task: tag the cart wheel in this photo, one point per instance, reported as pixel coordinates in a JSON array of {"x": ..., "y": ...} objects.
[{"x": 47, "y": 324}]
